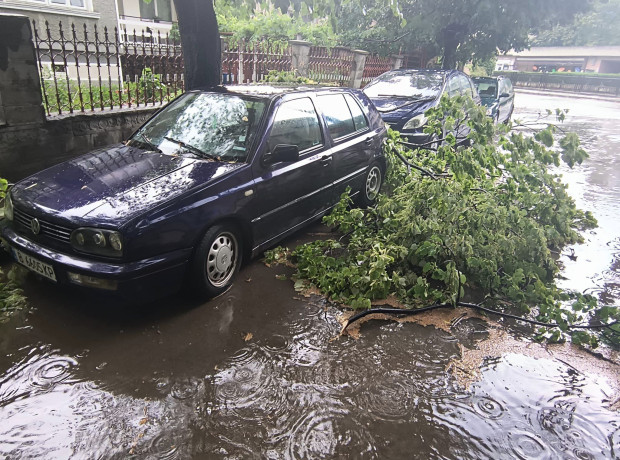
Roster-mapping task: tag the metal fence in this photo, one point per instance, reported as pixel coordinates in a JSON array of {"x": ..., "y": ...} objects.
[
  {"x": 87, "y": 70},
  {"x": 578, "y": 83},
  {"x": 331, "y": 65},
  {"x": 252, "y": 62},
  {"x": 375, "y": 66}
]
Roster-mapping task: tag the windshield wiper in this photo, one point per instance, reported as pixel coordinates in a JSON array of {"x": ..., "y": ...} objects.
[
  {"x": 415, "y": 98},
  {"x": 147, "y": 141},
  {"x": 192, "y": 149}
]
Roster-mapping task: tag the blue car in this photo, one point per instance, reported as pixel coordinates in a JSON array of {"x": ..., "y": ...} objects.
[
  {"x": 498, "y": 95},
  {"x": 403, "y": 96},
  {"x": 212, "y": 179}
]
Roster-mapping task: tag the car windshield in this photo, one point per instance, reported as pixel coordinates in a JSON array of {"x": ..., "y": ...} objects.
[
  {"x": 487, "y": 87},
  {"x": 422, "y": 85},
  {"x": 207, "y": 125}
]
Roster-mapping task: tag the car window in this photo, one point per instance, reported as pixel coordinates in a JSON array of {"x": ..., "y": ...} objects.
[
  {"x": 358, "y": 115},
  {"x": 464, "y": 86},
  {"x": 296, "y": 123},
  {"x": 337, "y": 115},
  {"x": 204, "y": 124},
  {"x": 453, "y": 87},
  {"x": 487, "y": 87},
  {"x": 405, "y": 83}
]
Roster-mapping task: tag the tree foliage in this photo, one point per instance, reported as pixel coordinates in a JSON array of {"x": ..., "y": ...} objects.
[
  {"x": 271, "y": 25},
  {"x": 463, "y": 30},
  {"x": 597, "y": 28},
  {"x": 482, "y": 221}
]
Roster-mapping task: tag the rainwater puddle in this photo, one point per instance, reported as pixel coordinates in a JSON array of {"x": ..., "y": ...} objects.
[{"x": 262, "y": 373}]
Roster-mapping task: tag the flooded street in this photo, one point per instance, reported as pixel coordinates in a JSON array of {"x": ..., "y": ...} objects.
[{"x": 261, "y": 371}]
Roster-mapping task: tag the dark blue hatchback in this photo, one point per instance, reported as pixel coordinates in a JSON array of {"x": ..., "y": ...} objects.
[
  {"x": 403, "y": 96},
  {"x": 215, "y": 177}
]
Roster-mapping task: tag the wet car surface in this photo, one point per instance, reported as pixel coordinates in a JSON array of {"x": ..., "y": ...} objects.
[
  {"x": 497, "y": 94},
  {"x": 403, "y": 96},
  {"x": 212, "y": 179},
  {"x": 260, "y": 371}
]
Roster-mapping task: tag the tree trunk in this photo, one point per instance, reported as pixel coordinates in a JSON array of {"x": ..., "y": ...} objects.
[
  {"x": 450, "y": 39},
  {"x": 200, "y": 40}
]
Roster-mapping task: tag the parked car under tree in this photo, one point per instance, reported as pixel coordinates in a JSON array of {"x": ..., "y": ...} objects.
[
  {"x": 498, "y": 95},
  {"x": 403, "y": 96},
  {"x": 215, "y": 177}
]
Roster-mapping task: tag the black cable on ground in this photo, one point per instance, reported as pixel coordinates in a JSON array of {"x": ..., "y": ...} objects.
[{"x": 474, "y": 306}]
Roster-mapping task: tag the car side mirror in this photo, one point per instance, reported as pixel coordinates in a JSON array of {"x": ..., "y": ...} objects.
[
  {"x": 504, "y": 95},
  {"x": 285, "y": 153}
]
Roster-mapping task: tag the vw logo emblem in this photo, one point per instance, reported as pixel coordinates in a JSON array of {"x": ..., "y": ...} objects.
[{"x": 35, "y": 226}]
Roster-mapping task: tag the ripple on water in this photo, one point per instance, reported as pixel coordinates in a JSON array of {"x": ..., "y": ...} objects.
[
  {"x": 487, "y": 407},
  {"x": 163, "y": 446},
  {"x": 39, "y": 372},
  {"x": 329, "y": 433},
  {"x": 528, "y": 446},
  {"x": 186, "y": 388},
  {"x": 248, "y": 386},
  {"x": 389, "y": 398},
  {"x": 568, "y": 431}
]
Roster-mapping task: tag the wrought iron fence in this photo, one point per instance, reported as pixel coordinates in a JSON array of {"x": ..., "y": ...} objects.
[
  {"x": 331, "y": 65},
  {"x": 87, "y": 70},
  {"x": 375, "y": 66},
  {"x": 251, "y": 62}
]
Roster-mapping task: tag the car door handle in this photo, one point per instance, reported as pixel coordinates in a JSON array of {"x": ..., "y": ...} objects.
[
  {"x": 368, "y": 141},
  {"x": 326, "y": 160}
]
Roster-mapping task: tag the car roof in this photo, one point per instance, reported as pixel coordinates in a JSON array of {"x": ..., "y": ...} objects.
[
  {"x": 274, "y": 91},
  {"x": 497, "y": 78},
  {"x": 428, "y": 71}
]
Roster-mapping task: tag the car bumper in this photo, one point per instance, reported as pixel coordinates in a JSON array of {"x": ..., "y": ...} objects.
[
  {"x": 417, "y": 138},
  {"x": 132, "y": 280}
]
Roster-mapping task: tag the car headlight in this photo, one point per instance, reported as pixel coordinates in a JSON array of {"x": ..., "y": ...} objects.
[
  {"x": 8, "y": 207},
  {"x": 490, "y": 111},
  {"x": 97, "y": 241},
  {"x": 415, "y": 122}
]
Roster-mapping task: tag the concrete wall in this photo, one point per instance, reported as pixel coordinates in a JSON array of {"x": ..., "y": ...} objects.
[{"x": 29, "y": 141}]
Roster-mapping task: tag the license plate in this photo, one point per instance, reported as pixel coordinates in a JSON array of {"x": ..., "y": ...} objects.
[{"x": 35, "y": 265}]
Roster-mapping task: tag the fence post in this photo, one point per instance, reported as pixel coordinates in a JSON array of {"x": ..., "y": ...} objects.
[
  {"x": 20, "y": 85},
  {"x": 397, "y": 61},
  {"x": 357, "y": 68},
  {"x": 300, "y": 56}
]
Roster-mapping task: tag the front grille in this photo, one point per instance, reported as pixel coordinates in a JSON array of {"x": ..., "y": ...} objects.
[{"x": 54, "y": 231}]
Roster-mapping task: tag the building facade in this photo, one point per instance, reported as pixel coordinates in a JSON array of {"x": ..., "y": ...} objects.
[
  {"x": 102, "y": 13},
  {"x": 154, "y": 18},
  {"x": 590, "y": 59}
]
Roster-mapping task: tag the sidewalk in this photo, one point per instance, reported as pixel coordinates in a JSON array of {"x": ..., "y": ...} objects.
[{"x": 571, "y": 94}]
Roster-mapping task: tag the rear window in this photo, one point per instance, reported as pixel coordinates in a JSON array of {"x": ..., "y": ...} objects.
[
  {"x": 337, "y": 115},
  {"x": 486, "y": 87}
]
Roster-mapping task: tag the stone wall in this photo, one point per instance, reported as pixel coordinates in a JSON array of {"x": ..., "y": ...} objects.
[
  {"x": 29, "y": 141},
  {"x": 26, "y": 149}
]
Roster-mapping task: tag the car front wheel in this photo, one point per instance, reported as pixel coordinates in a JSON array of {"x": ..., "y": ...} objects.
[
  {"x": 372, "y": 185},
  {"x": 216, "y": 261}
]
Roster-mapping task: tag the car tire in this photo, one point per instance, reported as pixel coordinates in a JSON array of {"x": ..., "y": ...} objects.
[
  {"x": 216, "y": 261},
  {"x": 373, "y": 180}
]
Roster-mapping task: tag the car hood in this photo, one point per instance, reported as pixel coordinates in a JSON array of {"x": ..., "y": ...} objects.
[
  {"x": 394, "y": 109},
  {"x": 113, "y": 184}
]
